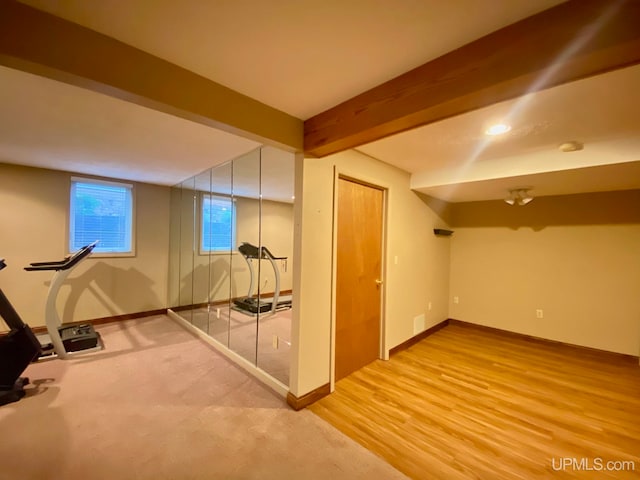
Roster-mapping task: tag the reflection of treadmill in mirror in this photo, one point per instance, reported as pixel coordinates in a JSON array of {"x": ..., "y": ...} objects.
[
  {"x": 63, "y": 341},
  {"x": 252, "y": 305}
]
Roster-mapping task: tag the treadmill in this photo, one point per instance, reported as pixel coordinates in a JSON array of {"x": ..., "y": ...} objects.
[
  {"x": 65, "y": 341},
  {"x": 251, "y": 305}
]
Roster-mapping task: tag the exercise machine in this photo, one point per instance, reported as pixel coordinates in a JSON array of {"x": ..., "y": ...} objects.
[
  {"x": 64, "y": 341},
  {"x": 18, "y": 349},
  {"x": 253, "y": 305}
]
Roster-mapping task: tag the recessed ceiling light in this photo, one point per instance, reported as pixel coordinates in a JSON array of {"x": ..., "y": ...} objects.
[
  {"x": 571, "y": 146},
  {"x": 498, "y": 129}
]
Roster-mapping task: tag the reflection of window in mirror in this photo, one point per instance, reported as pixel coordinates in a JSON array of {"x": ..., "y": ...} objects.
[{"x": 217, "y": 224}]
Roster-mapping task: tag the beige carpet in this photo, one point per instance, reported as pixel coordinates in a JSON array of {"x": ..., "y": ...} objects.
[
  {"x": 238, "y": 332},
  {"x": 160, "y": 404}
]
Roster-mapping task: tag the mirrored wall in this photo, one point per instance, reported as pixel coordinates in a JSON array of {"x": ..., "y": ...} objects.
[{"x": 231, "y": 256}]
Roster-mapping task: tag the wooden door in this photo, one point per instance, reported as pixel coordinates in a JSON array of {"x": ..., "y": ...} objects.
[{"x": 359, "y": 270}]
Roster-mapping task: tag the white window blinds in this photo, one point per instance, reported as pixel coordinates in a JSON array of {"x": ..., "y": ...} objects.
[{"x": 101, "y": 211}]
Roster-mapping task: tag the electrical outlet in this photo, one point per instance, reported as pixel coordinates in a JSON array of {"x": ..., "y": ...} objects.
[
  {"x": 539, "y": 313},
  {"x": 276, "y": 342},
  {"x": 418, "y": 324},
  {"x": 429, "y": 306},
  {"x": 218, "y": 313},
  {"x": 456, "y": 299}
]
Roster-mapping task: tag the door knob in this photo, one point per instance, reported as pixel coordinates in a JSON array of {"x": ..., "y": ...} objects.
[{"x": 378, "y": 282}]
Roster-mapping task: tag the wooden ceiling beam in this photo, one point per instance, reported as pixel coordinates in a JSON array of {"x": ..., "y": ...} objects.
[
  {"x": 40, "y": 43},
  {"x": 573, "y": 40}
]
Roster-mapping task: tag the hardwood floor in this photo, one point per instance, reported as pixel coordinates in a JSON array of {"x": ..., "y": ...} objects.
[{"x": 466, "y": 403}]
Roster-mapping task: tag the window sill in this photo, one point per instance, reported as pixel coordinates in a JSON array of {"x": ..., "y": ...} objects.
[
  {"x": 226, "y": 253},
  {"x": 113, "y": 255}
]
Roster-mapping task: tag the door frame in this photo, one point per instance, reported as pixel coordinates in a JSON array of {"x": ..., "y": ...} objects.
[{"x": 346, "y": 174}]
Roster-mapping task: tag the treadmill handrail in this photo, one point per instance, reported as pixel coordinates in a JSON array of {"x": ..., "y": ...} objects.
[
  {"x": 249, "y": 250},
  {"x": 65, "y": 264},
  {"x": 39, "y": 264},
  {"x": 268, "y": 252}
]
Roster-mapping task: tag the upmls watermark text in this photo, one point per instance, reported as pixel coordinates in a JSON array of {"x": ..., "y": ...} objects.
[{"x": 592, "y": 464}]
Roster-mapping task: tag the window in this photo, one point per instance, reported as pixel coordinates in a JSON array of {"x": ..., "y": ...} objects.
[
  {"x": 101, "y": 211},
  {"x": 218, "y": 224}
]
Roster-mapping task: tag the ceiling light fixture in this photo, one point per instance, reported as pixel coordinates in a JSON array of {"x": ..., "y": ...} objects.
[
  {"x": 498, "y": 129},
  {"x": 572, "y": 146},
  {"x": 519, "y": 196}
]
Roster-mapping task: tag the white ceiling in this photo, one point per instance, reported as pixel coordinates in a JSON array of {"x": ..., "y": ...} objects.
[
  {"x": 454, "y": 160},
  {"x": 303, "y": 57},
  {"x": 299, "y": 56},
  {"x": 44, "y": 123}
]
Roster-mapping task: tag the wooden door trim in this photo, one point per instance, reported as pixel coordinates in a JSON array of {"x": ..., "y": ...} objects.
[
  {"x": 345, "y": 174},
  {"x": 349, "y": 178}
]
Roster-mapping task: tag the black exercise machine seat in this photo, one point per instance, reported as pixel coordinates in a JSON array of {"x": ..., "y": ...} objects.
[{"x": 71, "y": 339}]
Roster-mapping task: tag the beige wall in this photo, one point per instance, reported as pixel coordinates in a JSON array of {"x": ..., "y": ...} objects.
[
  {"x": 420, "y": 276},
  {"x": 575, "y": 257},
  {"x": 277, "y": 236},
  {"x": 34, "y": 217}
]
